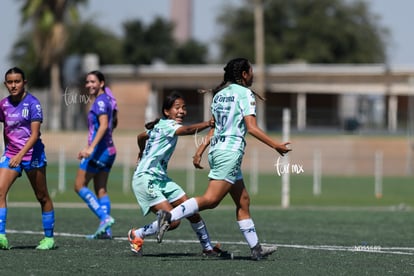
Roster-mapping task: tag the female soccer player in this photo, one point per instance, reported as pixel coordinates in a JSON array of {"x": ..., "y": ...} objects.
[
  {"x": 234, "y": 112},
  {"x": 98, "y": 157},
  {"x": 21, "y": 114},
  {"x": 153, "y": 188}
]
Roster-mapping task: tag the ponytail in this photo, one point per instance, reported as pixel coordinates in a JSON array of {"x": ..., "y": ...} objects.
[{"x": 233, "y": 74}]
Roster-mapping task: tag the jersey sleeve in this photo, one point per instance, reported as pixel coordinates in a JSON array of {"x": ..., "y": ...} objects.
[
  {"x": 36, "y": 113},
  {"x": 101, "y": 107},
  {"x": 171, "y": 128},
  {"x": 248, "y": 103}
]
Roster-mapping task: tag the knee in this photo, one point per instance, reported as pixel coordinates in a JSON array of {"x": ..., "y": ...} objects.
[
  {"x": 194, "y": 218},
  {"x": 174, "y": 225},
  {"x": 210, "y": 202},
  {"x": 245, "y": 202},
  {"x": 43, "y": 198}
]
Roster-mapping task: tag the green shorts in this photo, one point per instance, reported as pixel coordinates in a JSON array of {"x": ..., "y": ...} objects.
[
  {"x": 151, "y": 190},
  {"x": 225, "y": 165}
]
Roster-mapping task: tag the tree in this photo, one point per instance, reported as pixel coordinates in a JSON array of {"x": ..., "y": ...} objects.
[
  {"x": 314, "y": 31},
  {"x": 49, "y": 36},
  {"x": 24, "y": 56},
  {"x": 190, "y": 52},
  {"x": 87, "y": 37},
  {"x": 144, "y": 44}
]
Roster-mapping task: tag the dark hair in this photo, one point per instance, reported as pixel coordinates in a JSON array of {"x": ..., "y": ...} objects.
[
  {"x": 233, "y": 74},
  {"x": 99, "y": 75},
  {"x": 167, "y": 104},
  {"x": 15, "y": 70}
]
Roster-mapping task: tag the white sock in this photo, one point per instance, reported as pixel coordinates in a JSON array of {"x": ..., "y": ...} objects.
[
  {"x": 147, "y": 230},
  {"x": 185, "y": 209},
  {"x": 201, "y": 230},
  {"x": 249, "y": 231}
]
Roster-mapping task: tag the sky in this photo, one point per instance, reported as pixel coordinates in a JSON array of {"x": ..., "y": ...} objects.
[{"x": 395, "y": 15}]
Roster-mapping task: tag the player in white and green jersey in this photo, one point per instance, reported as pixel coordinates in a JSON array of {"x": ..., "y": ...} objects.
[
  {"x": 160, "y": 146},
  {"x": 153, "y": 188},
  {"x": 229, "y": 107},
  {"x": 234, "y": 112}
]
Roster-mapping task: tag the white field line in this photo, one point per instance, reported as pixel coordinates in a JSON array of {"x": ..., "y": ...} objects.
[
  {"x": 364, "y": 249},
  {"x": 393, "y": 208}
]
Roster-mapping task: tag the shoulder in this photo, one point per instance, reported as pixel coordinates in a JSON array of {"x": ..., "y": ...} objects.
[
  {"x": 103, "y": 97},
  {"x": 31, "y": 98},
  {"x": 242, "y": 90},
  {"x": 168, "y": 125},
  {"x": 102, "y": 102},
  {"x": 4, "y": 101}
]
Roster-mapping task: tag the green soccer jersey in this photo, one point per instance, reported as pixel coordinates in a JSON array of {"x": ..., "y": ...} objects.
[
  {"x": 159, "y": 148},
  {"x": 229, "y": 107}
]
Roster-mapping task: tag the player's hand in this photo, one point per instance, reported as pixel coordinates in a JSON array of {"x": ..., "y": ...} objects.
[
  {"x": 15, "y": 161},
  {"x": 85, "y": 153},
  {"x": 284, "y": 148},
  {"x": 197, "y": 161},
  {"x": 212, "y": 122}
]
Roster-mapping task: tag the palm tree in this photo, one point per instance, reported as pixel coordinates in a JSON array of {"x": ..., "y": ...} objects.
[{"x": 48, "y": 20}]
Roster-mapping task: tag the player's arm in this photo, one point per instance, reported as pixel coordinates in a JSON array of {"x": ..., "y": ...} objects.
[
  {"x": 194, "y": 128},
  {"x": 258, "y": 133},
  {"x": 141, "y": 141},
  {"x": 201, "y": 148},
  {"x": 103, "y": 126}
]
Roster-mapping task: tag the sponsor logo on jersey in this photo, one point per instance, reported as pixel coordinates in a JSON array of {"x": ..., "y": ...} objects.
[{"x": 224, "y": 99}]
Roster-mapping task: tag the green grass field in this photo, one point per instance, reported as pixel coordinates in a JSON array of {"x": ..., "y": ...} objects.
[
  {"x": 311, "y": 242},
  {"x": 336, "y": 191},
  {"x": 344, "y": 231}
]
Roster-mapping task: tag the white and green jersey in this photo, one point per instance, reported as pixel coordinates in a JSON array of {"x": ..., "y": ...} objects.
[
  {"x": 229, "y": 107},
  {"x": 159, "y": 148}
]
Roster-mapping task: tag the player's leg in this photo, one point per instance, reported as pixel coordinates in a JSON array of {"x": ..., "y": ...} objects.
[
  {"x": 198, "y": 226},
  {"x": 241, "y": 199},
  {"x": 82, "y": 179},
  {"x": 216, "y": 191},
  {"x": 7, "y": 178},
  {"x": 136, "y": 236},
  {"x": 150, "y": 194},
  {"x": 100, "y": 181},
  {"x": 37, "y": 178}
]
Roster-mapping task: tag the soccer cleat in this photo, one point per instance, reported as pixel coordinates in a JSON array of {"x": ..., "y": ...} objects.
[
  {"x": 262, "y": 251},
  {"x": 46, "y": 244},
  {"x": 135, "y": 242},
  {"x": 105, "y": 236},
  {"x": 104, "y": 225},
  {"x": 217, "y": 252},
  {"x": 164, "y": 220},
  {"x": 4, "y": 243}
]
